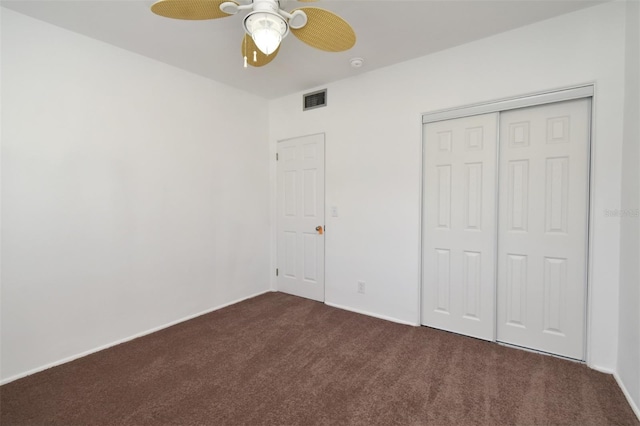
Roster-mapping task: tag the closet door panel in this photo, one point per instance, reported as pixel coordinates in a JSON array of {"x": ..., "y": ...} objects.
[
  {"x": 542, "y": 231},
  {"x": 459, "y": 230}
]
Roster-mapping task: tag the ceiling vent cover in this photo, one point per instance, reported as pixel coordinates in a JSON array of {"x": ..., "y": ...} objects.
[{"x": 314, "y": 100}]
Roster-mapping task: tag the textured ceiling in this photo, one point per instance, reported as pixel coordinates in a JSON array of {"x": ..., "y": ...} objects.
[{"x": 388, "y": 32}]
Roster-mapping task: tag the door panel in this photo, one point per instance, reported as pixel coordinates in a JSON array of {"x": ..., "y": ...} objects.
[
  {"x": 542, "y": 234},
  {"x": 300, "y": 198},
  {"x": 459, "y": 232}
]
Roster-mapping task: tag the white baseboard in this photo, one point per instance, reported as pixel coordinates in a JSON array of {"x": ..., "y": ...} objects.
[
  {"x": 126, "y": 339},
  {"x": 627, "y": 395},
  {"x": 384, "y": 317},
  {"x": 632, "y": 403},
  {"x": 605, "y": 370}
]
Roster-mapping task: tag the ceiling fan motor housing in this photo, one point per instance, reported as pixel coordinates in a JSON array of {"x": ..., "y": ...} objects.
[
  {"x": 266, "y": 6},
  {"x": 271, "y": 7},
  {"x": 256, "y": 14}
]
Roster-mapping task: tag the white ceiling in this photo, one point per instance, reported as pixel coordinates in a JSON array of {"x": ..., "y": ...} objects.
[{"x": 388, "y": 32}]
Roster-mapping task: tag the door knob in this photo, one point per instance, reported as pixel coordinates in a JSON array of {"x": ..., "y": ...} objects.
[{"x": 319, "y": 229}]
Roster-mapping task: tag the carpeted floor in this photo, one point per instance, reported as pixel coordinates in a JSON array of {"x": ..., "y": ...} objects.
[{"x": 279, "y": 359}]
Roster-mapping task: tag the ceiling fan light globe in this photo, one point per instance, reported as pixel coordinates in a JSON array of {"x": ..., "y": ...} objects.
[
  {"x": 266, "y": 39},
  {"x": 266, "y": 29}
]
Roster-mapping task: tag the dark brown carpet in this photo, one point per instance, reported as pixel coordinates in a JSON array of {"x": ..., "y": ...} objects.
[{"x": 279, "y": 359}]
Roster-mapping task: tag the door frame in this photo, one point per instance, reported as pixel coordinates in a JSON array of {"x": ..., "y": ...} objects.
[
  {"x": 274, "y": 210},
  {"x": 581, "y": 91}
]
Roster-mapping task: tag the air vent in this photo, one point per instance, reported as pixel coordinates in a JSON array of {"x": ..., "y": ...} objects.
[{"x": 314, "y": 100}]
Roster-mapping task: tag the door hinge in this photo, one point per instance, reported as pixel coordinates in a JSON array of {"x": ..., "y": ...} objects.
[
  {"x": 276, "y": 156},
  {"x": 276, "y": 272}
]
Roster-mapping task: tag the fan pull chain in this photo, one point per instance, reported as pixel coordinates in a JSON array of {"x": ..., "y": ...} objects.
[
  {"x": 244, "y": 50},
  {"x": 255, "y": 56}
]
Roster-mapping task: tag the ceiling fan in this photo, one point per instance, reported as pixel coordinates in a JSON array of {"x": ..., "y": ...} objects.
[{"x": 267, "y": 24}]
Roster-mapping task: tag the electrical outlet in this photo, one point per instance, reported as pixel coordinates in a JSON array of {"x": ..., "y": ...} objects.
[{"x": 361, "y": 287}]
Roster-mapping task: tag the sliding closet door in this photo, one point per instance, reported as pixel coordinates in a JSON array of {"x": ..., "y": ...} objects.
[
  {"x": 459, "y": 231},
  {"x": 542, "y": 235}
]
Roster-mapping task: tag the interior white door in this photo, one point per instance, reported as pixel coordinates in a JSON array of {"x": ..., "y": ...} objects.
[
  {"x": 300, "y": 211},
  {"x": 459, "y": 225},
  {"x": 542, "y": 236}
]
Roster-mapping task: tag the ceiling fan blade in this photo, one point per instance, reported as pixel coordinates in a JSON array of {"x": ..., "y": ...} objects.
[
  {"x": 248, "y": 47},
  {"x": 325, "y": 31},
  {"x": 189, "y": 9}
]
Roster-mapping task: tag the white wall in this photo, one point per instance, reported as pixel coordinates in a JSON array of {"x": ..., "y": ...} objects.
[
  {"x": 1, "y": 9},
  {"x": 134, "y": 194},
  {"x": 373, "y": 135},
  {"x": 629, "y": 337}
]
